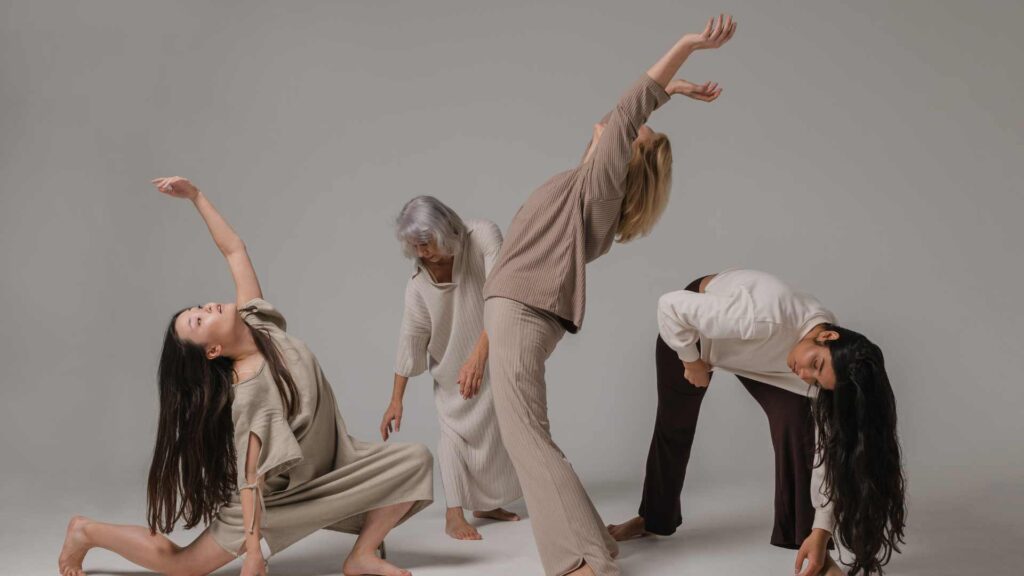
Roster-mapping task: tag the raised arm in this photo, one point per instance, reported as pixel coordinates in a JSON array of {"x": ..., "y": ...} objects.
[
  {"x": 247, "y": 286},
  {"x": 612, "y": 142},
  {"x": 717, "y": 32}
]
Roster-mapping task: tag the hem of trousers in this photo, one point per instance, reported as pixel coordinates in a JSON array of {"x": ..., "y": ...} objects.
[
  {"x": 656, "y": 529},
  {"x": 659, "y": 531}
]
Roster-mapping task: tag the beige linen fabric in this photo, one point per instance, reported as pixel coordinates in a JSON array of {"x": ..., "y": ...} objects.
[{"x": 315, "y": 475}]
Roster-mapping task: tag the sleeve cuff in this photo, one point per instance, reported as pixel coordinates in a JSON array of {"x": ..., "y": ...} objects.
[
  {"x": 823, "y": 520},
  {"x": 411, "y": 359},
  {"x": 655, "y": 89},
  {"x": 689, "y": 353},
  {"x": 279, "y": 449}
]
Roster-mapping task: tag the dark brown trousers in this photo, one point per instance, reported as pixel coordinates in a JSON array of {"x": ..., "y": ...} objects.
[{"x": 792, "y": 431}]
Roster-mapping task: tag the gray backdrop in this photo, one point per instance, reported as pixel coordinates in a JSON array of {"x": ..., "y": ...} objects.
[{"x": 868, "y": 152}]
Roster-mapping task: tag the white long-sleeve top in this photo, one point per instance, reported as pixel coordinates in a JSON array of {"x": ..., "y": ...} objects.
[{"x": 747, "y": 322}]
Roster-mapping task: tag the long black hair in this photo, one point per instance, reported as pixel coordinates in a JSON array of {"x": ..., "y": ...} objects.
[
  {"x": 193, "y": 470},
  {"x": 859, "y": 448}
]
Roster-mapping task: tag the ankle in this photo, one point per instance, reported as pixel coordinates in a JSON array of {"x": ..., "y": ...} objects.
[
  {"x": 363, "y": 551},
  {"x": 84, "y": 528},
  {"x": 455, "y": 513}
]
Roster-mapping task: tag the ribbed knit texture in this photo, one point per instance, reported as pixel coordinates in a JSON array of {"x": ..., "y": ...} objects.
[
  {"x": 572, "y": 218},
  {"x": 440, "y": 328},
  {"x": 567, "y": 529}
]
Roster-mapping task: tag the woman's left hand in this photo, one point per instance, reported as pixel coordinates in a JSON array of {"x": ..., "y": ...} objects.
[
  {"x": 706, "y": 92},
  {"x": 814, "y": 549},
  {"x": 471, "y": 375}
]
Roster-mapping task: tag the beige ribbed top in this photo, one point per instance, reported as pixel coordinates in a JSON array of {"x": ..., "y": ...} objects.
[{"x": 571, "y": 219}]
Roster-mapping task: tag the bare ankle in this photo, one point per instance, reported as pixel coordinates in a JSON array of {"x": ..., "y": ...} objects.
[{"x": 82, "y": 526}]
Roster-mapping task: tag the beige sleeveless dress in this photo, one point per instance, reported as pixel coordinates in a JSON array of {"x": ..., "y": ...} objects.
[{"x": 314, "y": 474}]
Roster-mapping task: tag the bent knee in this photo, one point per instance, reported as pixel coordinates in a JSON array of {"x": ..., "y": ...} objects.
[{"x": 421, "y": 455}]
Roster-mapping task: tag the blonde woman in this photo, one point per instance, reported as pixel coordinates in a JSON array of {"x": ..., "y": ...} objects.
[
  {"x": 537, "y": 290},
  {"x": 443, "y": 331}
]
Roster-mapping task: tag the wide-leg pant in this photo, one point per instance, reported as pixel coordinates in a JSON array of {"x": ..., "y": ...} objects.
[
  {"x": 792, "y": 433},
  {"x": 566, "y": 527}
]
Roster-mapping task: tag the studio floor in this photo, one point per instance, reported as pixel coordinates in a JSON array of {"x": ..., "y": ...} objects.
[{"x": 725, "y": 531}]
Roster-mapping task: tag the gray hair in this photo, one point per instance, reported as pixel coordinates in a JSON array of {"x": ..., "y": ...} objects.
[{"x": 425, "y": 218}]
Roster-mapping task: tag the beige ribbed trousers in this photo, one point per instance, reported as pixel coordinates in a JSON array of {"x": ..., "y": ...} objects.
[{"x": 566, "y": 527}]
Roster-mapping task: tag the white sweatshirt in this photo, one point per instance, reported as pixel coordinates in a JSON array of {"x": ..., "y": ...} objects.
[{"x": 747, "y": 322}]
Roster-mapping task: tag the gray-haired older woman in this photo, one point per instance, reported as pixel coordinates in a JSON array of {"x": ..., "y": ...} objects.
[{"x": 443, "y": 331}]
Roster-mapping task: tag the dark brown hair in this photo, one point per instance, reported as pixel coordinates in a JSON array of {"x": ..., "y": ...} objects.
[
  {"x": 859, "y": 447},
  {"x": 193, "y": 470}
]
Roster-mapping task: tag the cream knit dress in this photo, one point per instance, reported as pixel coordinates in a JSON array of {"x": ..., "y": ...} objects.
[
  {"x": 440, "y": 328},
  {"x": 314, "y": 475}
]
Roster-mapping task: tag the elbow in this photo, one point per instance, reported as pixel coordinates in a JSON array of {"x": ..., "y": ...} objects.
[
  {"x": 664, "y": 304},
  {"x": 235, "y": 248}
]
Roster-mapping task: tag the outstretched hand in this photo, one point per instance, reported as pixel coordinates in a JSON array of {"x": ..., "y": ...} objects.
[
  {"x": 717, "y": 32},
  {"x": 177, "y": 187},
  {"x": 706, "y": 92}
]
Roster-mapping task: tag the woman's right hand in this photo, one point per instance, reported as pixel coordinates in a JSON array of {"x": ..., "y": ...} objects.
[
  {"x": 697, "y": 373},
  {"x": 718, "y": 31},
  {"x": 393, "y": 413},
  {"x": 177, "y": 187}
]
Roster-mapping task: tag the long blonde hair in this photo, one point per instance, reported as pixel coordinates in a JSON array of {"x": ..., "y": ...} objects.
[{"x": 648, "y": 182}]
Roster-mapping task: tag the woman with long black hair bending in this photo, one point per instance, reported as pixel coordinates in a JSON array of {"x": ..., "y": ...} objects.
[
  {"x": 251, "y": 442},
  {"x": 811, "y": 377},
  {"x": 537, "y": 291}
]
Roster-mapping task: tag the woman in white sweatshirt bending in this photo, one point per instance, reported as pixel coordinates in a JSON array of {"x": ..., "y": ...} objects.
[{"x": 830, "y": 408}]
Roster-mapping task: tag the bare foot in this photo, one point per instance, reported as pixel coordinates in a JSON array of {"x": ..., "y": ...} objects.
[
  {"x": 455, "y": 525},
  {"x": 831, "y": 568},
  {"x": 628, "y": 530},
  {"x": 369, "y": 563},
  {"x": 75, "y": 547},
  {"x": 498, "y": 514}
]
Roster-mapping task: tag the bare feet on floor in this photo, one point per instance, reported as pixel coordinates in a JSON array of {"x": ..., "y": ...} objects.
[
  {"x": 368, "y": 563},
  {"x": 75, "y": 547},
  {"x": 628, "y": 530},
  {"x": 455, "y": 525},
  {"x": 498, "y": 514}
]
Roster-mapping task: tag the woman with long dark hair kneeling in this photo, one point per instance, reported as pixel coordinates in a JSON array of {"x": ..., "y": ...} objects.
[
  {"x": 251, "y": 442},
  {"x": 813, "y": 379}
]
